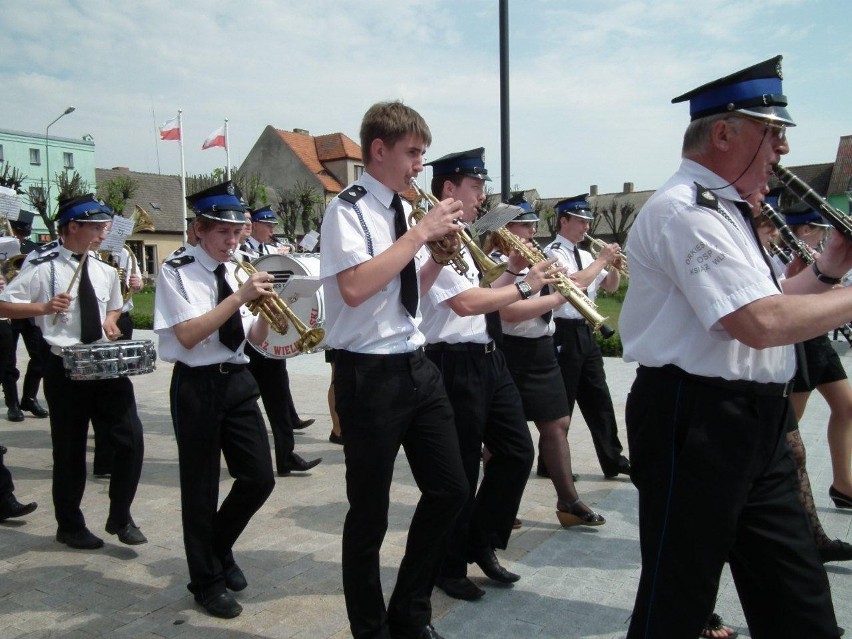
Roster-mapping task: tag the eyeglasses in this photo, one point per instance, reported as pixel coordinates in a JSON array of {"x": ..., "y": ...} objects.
[{"x": 777, "y": 132}]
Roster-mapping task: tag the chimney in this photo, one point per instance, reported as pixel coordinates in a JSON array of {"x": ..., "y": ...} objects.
[
  {"x": 593, "y": 190},
  {"x": 302, "y": 131},
  {"x": 628, "y": 187}
]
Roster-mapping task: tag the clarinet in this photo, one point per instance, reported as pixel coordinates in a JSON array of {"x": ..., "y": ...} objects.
[{"x": 799, "y": 248}]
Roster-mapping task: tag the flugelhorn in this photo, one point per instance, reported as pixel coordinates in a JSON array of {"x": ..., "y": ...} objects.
[
  {"x": 620, "y": 261},
  {"x": 277, "y": 314},
  {"x": 488, "y": 268}
]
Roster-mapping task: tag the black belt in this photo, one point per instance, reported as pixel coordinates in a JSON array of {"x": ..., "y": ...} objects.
[
  {"x": 469, "y": 347},
  {"x": 225, "y": 368},
  {"x": 390, "y": 361},
  {"x": 739, "y": 386},
  {"x": 560, "y": 321}
]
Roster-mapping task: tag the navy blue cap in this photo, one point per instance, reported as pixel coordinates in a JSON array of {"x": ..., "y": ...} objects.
[
  {"x": 755, "y": 91},
  {"x": 576, "y": 206},
  {"x": 801, "y": 213},
  {"x": 265, "y": 214},
  {"x": 470, "y": 163},
  {"x": 528, "y": 214},
  {"x": 24, "y": 222},
  {"x": 773, "y": 198},
  {"x": 220, "y": 202},
  {"x": 84, "y": 208}
]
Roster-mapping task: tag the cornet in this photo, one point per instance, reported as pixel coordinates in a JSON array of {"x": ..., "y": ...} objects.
[
  {"x": 620, "y": 261},
  {"x": 488, "y": 268}
]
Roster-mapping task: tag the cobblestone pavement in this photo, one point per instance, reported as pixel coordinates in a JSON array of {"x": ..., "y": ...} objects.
[{"x": 575, "y": 583}]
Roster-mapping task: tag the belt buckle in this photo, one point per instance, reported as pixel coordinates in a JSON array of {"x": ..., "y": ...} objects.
[{"x": 490, "y": 347}]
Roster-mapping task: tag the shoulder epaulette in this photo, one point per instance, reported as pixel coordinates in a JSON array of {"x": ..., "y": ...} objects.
[
  {"x": 352, "y": 194},
  {"x": 705, "y": 197},
  {"x": 44, "y": 258},
  {"x": 496, "y": 253},
  {"x": 554, "y": 246},
  {"x": 183, "y": 260},
  {"x": 47, "y": 247},
  {"x": 178, "y": 251}
]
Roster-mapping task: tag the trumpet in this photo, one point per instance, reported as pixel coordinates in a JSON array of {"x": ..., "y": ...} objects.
[
  {"x": 568, "y": 289},
  {"x": 620, "y": 261},
  {"x": 276, "y": 312},
  {"x": 488, "y": 268}
]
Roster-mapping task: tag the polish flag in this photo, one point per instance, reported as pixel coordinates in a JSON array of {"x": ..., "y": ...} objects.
[
  {"x": 217, "y": 138},
  {"x": 171, "y": 129}
]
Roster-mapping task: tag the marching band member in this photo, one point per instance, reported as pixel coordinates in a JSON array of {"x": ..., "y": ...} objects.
[
  {"x": 270, "y": 373},
  {"x": 485, "y": 401},
  {"x": 203, "y": 324},
  {"x": 85, "y": 316},
  {"x": 387, "y": 393},
  {"x": 531, "y": 357}
]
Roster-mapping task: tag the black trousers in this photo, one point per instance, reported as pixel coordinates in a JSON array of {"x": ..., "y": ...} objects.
[
  {"x": 581, "y": 363},
  {"x": 7, "y": 487},
  {"x": 717, "y": 483},
  {"x": 274, "y": 384},
  {"x": 384, "y": 402},
  {"x": 73, "y": 403},
  {"x": 37, "y": 351},
  {"x": 215, "y": 413},
  {"x": 8, "y": 372},
  {"x": 488, "y": 409}
]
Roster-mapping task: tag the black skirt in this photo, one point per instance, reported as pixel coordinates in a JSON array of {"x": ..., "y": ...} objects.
[
  {"x": 823, "y": 365},
  {"x": 532, "y": 363}
]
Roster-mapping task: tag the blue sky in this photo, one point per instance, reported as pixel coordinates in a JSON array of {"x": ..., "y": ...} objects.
[{"x": 591, "y": 82}]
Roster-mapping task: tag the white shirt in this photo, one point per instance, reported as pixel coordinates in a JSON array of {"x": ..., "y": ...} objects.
[
  {"x": 691, "y": 265},
  {"x": 563, "y": 249},
  {"x": 531, "y": 328},
  {"x": 46, "y": 277},
  {"x": 131, "y": 267},
  {"x": 186, "y": 288},
  {"x": 440, "y": 322},
  {"x": 380, "y": 325}
]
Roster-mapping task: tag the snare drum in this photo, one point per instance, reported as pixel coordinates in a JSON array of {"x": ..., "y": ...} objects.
[
  {"x": 308, "y": 307},
  {"x": 105, "y": 360}
]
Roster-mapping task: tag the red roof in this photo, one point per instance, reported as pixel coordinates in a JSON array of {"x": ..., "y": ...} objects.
[{"x": 313, "y": 151}]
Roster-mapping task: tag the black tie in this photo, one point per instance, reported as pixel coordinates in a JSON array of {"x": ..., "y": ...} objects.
[
  {"x": 408, "y": 276},
  {"x": 577, "y": 258},
  {"x": 90, "y": 315},
  {"x": 231, "y": 333},
  {"x": 801, "y": 358},
  {"x": 547, "y": 315}
]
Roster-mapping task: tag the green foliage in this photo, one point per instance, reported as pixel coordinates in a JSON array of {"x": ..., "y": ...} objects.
[
  {"x": 301, "y": 203},
  {"x": 253, "y": 190},
  {"x": 71, "y": 185},
  {"x": 117, "y": 191},
  {"x": 610, "y": 347}
]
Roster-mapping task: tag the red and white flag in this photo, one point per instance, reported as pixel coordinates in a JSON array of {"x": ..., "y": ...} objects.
[
  {"x": 217, "y": 138},
  {"x": 171, "y": 129}
]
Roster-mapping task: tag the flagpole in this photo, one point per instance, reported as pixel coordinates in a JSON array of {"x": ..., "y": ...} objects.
[
  {"x": 227, "y": 153},
  {"x": 182, "y": 174}
]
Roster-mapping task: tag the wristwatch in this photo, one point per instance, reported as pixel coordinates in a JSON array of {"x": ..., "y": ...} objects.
[
  {"x": 822, "y": 277},
  {"x": 524, "y": 289}
]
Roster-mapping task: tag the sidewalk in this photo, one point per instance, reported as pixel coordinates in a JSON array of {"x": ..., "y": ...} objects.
[{"x": 575, "y": 583}]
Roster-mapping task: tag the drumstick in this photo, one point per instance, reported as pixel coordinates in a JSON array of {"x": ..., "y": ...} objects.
[{"x": 83, "y": 259}]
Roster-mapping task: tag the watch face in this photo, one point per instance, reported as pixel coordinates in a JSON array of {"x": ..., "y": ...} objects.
[{"x": 525, "y": 289}]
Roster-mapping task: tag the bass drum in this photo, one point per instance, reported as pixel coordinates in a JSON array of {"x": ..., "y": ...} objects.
[{"x": 308, "y": 307}]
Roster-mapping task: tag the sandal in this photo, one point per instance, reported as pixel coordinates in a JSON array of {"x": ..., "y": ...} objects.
[
  {"x": 578, "y": 514},
  {"x": 714, "y": 628}
]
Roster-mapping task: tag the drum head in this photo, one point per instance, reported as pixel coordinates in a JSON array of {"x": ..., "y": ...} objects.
[{"x": 308, "y": 308}]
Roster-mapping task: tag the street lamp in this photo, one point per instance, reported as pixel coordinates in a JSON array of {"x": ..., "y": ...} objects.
[{"x": 47, "y": 155}]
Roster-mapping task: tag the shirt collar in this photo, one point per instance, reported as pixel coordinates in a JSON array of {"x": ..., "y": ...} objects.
[
  {"x": 202, "y": 257},
  {"x": 381, "y": 192},
  {"x": 709, "y": 180}
]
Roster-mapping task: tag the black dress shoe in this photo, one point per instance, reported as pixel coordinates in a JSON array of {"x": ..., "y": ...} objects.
[
  {"x": 836, "y": 550},
  {"x": 128, "y": 534},
  {"x": 840, "y": 500},
  {"x": 303, "y": 423},
  {"x": 11, "y": 507},
  {"x": 486, "y": 559},
  {"x": 460, "y": 588},
  {"x": 15, "y": 414},
  {"x": 295, "y": 463},
  {"x": 623, "y": 468},
  {"x": 429, "y": 632},
  {"x": 235, "y": 579},
  {"x": 334, "y": 438},
  {"x": 220, "y": 605},
  {"x": 32, "y": 406},
  {"x": 80, "y": 539}
]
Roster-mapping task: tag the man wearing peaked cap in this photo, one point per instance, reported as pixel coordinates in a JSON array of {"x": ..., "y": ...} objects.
[
  {"x": 708, "y": 411},
  {"x": 471, "y": 163},
  {"x": 213, "y": 394},
  {"x": 579, "y": 356},
  {"x": 85, "y": 315}
]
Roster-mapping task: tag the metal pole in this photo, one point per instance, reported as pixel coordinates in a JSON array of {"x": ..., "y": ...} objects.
[
  {"x": 47, "y": 156},
  {"x": 505, "y": 171}
]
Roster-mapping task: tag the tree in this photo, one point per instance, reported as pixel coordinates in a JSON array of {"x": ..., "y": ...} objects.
[
  {"x": 253, "y": 190},
  {"x": 117, "y": 191},
  {"x": 619, "y": 218},
  {"x": 300, "y": 203}
]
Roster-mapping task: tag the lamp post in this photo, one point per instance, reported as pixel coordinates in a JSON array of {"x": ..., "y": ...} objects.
[{"x": 47, "y": 156}]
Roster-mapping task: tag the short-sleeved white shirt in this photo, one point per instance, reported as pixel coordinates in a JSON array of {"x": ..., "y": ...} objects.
[
  {"x": 440, "y": 322},
  {"x": 691, "y": 265},
  {"x": 532, "y": 328},
  {"x": 351, "y": 235},
  {"x": 46, "y": 276},
  {"x": 186, "y": 289}
]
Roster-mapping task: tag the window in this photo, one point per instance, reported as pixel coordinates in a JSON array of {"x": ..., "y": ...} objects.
[
  {"x": 68, "y": 160},
  {"x": 35, "y": 156},
  {"x": 359, "y": 171},
  {"x": 151, "y": 262},
  {"x": 1, "y": 152}
]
